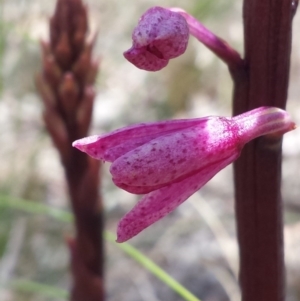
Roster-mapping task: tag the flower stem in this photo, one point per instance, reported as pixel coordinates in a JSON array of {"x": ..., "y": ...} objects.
[
  {"x": 217, "y": 45},
  {"x": 264, "y": 82}
]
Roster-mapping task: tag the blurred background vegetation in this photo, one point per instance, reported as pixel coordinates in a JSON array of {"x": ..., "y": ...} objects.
[{"x": 196, "y": 244}]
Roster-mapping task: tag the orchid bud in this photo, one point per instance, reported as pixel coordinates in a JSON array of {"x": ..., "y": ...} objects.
[
  {"x": 163, "y": 33},
  {"x": 168, "y": 161},
  {"x": 159, "y": 36}
]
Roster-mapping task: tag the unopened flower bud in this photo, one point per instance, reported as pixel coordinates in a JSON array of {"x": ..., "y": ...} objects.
[{"x": 159, "y": 36}]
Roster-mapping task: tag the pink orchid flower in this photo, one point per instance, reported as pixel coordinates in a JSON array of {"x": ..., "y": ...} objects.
[{"x": 168, "y": 161}]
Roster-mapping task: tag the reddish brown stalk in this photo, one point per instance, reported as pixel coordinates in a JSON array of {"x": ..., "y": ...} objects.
[
  {"x": 263, "y": 81},
  {"x": 66, "y": 86}
]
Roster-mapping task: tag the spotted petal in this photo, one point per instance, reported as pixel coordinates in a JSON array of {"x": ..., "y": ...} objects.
[
  {"x": 175, "y": 156},
  {"x": 155, "y": 205},
  {"x": 111, "y": 146}
]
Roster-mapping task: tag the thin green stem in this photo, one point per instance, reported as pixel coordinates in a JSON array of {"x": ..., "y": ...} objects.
[
  {"x": 149, "y": 265},
  {"x": 34, "y": 208},
  {"x": 28, "y": 286}
]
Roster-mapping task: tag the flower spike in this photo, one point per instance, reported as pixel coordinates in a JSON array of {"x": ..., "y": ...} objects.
[{"x": 168, "y": 161}]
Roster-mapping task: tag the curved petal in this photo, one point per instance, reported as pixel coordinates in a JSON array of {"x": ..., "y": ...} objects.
[
  {"x": 117, "y": 143},
  {"x": 143, "y": 59},
  {"x": 138, "y": 189},
  {"x": 159, "y": 203}
]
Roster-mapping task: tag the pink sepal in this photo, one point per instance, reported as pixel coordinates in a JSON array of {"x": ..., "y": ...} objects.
[
  {"x": 111, "y": 146},
  {"x": 155, "y": 205}
]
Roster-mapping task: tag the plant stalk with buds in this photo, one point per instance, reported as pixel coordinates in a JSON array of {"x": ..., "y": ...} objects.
[{"x": 66, "y": 87}]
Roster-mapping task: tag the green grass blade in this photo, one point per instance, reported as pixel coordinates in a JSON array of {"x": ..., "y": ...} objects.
[
  {"x": 64, "y": 216},
  {"x": 152, "y": 268},
  {"x": 34, "y": 208},
  {"x": 38, "y": 288}
]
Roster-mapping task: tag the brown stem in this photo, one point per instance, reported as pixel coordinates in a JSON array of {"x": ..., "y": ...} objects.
[
  {"x": 263, "y": 81},
  {"x": 87, "y": 249}
]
